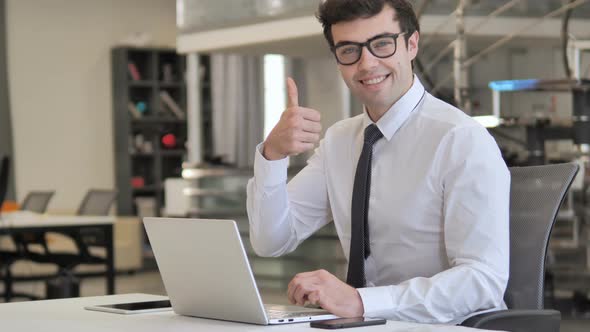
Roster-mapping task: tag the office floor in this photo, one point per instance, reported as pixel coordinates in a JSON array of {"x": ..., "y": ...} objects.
[{"x": 151, "y": 283}]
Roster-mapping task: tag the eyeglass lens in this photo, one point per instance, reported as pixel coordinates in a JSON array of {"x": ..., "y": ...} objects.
[{"x": 382, "y": 47}]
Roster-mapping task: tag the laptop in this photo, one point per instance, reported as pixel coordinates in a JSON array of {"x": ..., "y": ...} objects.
[{"x": 206, "y": 273}]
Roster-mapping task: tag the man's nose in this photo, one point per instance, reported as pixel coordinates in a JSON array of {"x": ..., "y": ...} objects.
[{"x": 367, "y": 60}]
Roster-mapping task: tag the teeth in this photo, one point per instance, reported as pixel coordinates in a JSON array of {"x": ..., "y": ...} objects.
[{"x": 375, "y": 80}]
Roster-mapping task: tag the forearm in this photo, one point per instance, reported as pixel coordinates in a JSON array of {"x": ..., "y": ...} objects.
[
  {"x": 271, "y": 233},
  {"x": 282, "y": 216},
  {"x": 444, "y": 298}
]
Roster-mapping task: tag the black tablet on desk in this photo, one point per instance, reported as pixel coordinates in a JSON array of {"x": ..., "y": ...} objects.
[{"x": 133, "y": 307}]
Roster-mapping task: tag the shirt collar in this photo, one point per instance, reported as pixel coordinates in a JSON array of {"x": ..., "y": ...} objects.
[{"x": 399, "y": 112}]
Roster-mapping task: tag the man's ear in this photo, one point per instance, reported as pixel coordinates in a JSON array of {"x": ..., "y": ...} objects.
[{"x": 413, "y": 44}]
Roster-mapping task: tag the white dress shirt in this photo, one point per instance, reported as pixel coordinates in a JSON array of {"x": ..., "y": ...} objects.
[{"x": 438, "y": 209}]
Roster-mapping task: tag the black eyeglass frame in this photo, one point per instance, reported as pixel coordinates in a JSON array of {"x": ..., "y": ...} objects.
[{"x": 368, "y": 45}]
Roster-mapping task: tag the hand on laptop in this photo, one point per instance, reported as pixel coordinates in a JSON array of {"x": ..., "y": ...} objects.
[{"x": 323, "y": 288}]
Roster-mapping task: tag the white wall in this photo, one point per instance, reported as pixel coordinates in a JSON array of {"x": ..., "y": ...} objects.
[{"x": 60, "y": 88}]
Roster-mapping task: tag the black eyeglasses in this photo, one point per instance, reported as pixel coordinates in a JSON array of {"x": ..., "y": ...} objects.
[{"x": 381, "y": 46}]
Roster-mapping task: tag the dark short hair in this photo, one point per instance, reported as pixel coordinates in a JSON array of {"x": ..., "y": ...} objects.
[{"x": 335, "y": 11}]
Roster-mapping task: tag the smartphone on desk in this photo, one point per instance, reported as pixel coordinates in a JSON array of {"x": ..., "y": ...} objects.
[
  {"x": 133, "y": 307},
  {"x": 342, "y": 323}
]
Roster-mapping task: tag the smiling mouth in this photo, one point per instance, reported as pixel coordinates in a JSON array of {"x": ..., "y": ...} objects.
[{"x": 375, "y": 80}]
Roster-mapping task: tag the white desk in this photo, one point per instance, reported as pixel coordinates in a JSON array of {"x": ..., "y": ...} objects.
[
  {"x": 68, "y": 315},
  {"x": 29, "y": 222},
  {"x": 25, "y": 219}
]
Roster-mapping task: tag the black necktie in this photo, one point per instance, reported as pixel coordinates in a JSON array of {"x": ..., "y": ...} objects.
[{"x": 359, "y": 227}]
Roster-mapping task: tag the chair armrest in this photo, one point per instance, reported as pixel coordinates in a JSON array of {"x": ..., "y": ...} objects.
[{"x": 517, "y": 320}]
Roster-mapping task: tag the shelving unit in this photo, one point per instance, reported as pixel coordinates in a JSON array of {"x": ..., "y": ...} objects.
[{"x": 142, "y": 116}]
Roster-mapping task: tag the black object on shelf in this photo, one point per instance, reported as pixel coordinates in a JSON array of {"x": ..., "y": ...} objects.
[{"x": 149, "y": 101}]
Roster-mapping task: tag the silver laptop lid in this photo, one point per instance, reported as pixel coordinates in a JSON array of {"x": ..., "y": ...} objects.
[{"x": 205, "y": 269}]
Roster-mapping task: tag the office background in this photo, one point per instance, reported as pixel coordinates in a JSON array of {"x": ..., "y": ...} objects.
[{"x": 57, "y": 124}]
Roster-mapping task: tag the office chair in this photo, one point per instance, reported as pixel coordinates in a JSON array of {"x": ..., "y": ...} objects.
[
  {"x": 35, "y": 201},
  {"x": 8, "y": 257},
  {"x": 96, "y": 203},
  {"x": 536, "y": 193}
]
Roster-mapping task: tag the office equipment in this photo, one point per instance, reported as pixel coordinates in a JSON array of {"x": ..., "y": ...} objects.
[
  {"x": 218, "y": 283},
  {"x": 343, "y": 323},
  {"x": 129, "y": 308},
  {"x": 542, "y": 129},
  {"x": 536, "y": 193},
  {"x": 69, "y": 315}
]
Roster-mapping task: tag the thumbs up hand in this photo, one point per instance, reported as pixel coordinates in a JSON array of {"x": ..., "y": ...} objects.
[{"x": 297, "y": 131}]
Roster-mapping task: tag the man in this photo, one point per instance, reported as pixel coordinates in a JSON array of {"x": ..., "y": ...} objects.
[{"x": 417, "y": 190}]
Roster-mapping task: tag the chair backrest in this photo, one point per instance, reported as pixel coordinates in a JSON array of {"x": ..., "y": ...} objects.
[
  {"x": 4, "y": 169},
  {"x": 536, "y": 193},
  {"x": 97, "y": 202},
  {"x": 37, "y": 201}
]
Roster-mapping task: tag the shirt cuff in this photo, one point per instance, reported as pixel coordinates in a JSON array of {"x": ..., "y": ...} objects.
[
  {"x": 378, "y": 301},
  {"x": 269, "y": 173}
]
